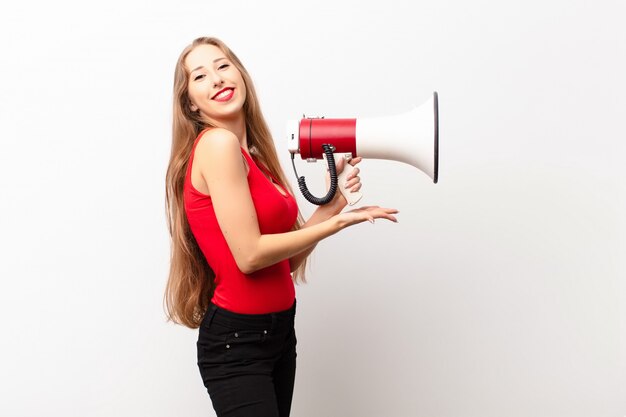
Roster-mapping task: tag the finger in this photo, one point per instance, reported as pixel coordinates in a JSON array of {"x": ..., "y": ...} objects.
[
  {"x": 389, "y": 210},
  {"x": 356, "y": 160},
  {"x": 353, "y": 174},
  {"x": 356, "y": 188},
  {"x": 388, "y": 216},
  {"x": 380, "y": 211},
  {"x": 393, "y": 218},
  {"x": 353, "y": 182}
]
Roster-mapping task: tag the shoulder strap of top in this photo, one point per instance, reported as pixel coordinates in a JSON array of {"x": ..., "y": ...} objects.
[{"x": 266, "y": 171}]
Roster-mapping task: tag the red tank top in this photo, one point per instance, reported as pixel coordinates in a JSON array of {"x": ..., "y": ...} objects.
[{"x": 268, "y": 290}]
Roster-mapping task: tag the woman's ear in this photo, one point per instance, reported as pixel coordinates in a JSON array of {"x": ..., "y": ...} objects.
[{"x": 193, "y": 107}]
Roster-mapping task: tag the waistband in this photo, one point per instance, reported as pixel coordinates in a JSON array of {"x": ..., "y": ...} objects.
[{"x": 250, "y": 321}]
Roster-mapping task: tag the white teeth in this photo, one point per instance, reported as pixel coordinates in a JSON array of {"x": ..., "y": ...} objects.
[{"x": 223, "y": 94}]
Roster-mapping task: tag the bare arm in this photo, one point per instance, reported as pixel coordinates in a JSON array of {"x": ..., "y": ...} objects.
[
  {"x": 319, "y": 215},
  {"x": 220, "y": 159},
  {"x": 327, "y": 211}
]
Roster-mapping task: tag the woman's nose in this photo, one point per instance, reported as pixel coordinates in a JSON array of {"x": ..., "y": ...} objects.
[{"x": 217, "y": 81}]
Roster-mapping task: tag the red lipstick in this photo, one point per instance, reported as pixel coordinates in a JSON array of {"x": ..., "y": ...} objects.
[{"x": 224, "y": 94}]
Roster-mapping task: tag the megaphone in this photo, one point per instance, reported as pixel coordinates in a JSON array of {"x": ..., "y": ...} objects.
[{"x": 411, "y": 138}]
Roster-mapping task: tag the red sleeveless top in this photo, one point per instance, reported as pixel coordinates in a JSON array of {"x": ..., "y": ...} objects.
[{"x": 267, "y": 290}]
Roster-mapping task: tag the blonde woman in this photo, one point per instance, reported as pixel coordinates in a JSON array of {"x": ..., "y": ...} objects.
[{"x": 238, "y": 240}]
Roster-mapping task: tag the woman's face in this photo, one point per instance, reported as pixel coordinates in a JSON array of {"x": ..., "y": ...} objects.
[{"x": 216, "y": 88}]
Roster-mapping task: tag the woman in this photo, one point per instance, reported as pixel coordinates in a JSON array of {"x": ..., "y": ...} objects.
[{"x": 237, "y": 236}]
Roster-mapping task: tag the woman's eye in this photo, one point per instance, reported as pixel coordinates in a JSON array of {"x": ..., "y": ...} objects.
[
  {"x": 223, "y": 66},
  {"x": 198, "y": 77}
]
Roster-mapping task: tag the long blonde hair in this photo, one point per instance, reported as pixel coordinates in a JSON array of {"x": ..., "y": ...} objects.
[{"x": 190, "y": 283}]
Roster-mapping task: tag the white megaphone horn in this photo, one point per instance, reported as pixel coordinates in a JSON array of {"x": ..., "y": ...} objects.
[{"x": 411, "y": 138}]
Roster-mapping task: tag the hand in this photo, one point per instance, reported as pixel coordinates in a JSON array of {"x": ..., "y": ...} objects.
[
  {"x": 353, "y": 182},
  {"x": 366, "y": 213}
]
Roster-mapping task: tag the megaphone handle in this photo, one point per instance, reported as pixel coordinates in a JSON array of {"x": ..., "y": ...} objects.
[{"x": 351, "y": 198}]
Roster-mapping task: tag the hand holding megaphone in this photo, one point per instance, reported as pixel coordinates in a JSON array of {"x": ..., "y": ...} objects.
[
  {"x": 346, "y": 169},
  {"x": 411, "y": 138}
]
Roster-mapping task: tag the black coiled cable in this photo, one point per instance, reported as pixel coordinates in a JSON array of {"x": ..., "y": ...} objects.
[{"x": 320, "y": 201}]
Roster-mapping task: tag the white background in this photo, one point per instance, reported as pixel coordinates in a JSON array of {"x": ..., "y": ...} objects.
[{"x": 500, "y": 292}]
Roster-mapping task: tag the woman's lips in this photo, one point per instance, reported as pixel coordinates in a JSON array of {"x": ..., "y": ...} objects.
[{"x": 224, "y": 94}]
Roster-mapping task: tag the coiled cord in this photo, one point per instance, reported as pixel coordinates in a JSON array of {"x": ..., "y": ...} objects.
[{"x": 320, "y": 201}]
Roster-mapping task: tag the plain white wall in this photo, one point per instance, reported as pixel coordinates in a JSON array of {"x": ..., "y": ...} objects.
[{"x": 501, "y": 292}]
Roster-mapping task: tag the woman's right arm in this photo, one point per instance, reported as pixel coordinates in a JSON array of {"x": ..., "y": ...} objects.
[{"x": 221, "y": 165}]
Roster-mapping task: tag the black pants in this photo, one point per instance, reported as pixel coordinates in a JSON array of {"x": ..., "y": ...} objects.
[{"x": 248, "y": 362}]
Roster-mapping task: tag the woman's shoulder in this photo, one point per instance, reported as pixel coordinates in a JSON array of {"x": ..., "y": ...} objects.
[
  {"x": 217, "y": 137},
  {"x": 217, "y": 143},
  {"x": 216, "y": 147}
]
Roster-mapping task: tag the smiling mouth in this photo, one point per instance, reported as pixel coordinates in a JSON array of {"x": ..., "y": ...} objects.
[{"x": 224, "y": 94}]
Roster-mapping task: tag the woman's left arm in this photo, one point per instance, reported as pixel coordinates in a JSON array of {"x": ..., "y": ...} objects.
[{"x": 325, "y": 212}]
